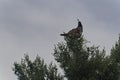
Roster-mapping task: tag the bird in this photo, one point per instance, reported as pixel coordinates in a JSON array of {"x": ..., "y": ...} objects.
[{"x": 75, "y": 31}]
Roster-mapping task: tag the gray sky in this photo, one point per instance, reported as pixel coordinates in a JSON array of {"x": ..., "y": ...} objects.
[{"x": 33, "y": 27}]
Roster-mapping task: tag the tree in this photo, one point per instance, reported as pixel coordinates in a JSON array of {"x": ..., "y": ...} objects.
[
  {"x": 36, "y": 70},
  {"x": 80, "y": 62},
  {"x": 115, "y": 56},
  {"x": 115, "y": 51}
]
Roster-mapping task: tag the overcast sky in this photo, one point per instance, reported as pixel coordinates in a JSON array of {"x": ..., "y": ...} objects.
[{"x": 33, "y": 27}]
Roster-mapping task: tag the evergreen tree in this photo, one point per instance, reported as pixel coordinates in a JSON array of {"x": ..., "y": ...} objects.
[
  {"x": 115, "y": 51},
  {"x": 115, "y": 57},
  {"x": 36, "y": 70},
  {"x": 80, "y": 62}
]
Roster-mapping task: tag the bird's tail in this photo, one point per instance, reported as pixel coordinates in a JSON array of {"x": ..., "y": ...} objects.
[{"x": 64, "y": 34}]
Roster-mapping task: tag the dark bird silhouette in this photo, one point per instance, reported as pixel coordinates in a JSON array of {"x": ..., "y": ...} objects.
[{"x": 76, "y": 31}]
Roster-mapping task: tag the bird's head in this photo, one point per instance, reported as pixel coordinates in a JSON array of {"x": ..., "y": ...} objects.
[{"x": 79, "y": 23}]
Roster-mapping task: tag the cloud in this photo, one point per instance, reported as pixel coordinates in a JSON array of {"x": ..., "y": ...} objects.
[
  {"x": 33, "y": 26},
  {"x": 104, "y": 10}
]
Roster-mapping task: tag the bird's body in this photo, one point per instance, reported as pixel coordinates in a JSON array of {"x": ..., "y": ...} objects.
[{"x": 75, "y": 32}]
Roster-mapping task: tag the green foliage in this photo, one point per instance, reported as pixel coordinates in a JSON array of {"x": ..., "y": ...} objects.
[
  {"x": 78, "y": 62},
  {"x": 84, "y": 63},
  {"x": 36, "y": 70},
  {"x": 70, "y": 56},
  {"x": 52, "y": 73},
  {"x": 115, "y": 57},
  {"x": 115, "y": 51}
]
